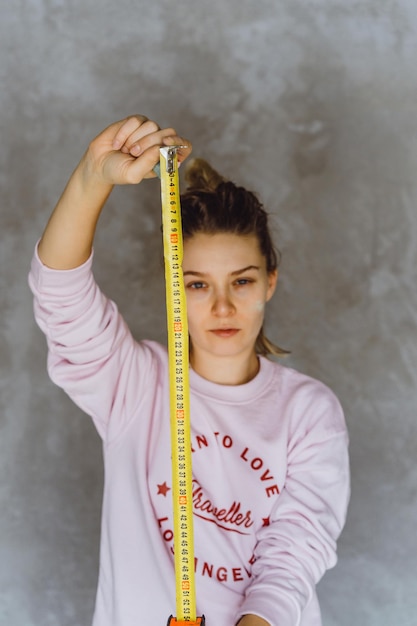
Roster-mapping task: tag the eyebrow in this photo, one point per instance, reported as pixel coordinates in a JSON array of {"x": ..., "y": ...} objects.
[{"x": 235, "y": 273}]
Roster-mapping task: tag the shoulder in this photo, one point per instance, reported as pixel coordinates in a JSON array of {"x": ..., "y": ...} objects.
[{"x": 309, "y": 402}]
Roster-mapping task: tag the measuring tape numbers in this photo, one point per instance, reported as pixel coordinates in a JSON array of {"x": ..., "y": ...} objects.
[{"x": 178, "y": 362}]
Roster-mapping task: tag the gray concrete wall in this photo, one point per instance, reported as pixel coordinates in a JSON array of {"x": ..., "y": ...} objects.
[{"x": 313, "y": 103}]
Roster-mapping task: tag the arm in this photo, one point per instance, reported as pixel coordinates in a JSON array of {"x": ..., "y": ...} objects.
[
  {"x": 123, "y": 153},
  {"x": 299, "y": 545},
  {"x": 92, "y": 355}
]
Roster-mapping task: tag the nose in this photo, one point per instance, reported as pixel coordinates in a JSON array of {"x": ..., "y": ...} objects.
[{"x": 223, "y": 305}]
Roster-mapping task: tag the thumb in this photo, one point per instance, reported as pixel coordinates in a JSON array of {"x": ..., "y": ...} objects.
[{"x": 142, "y": 166}]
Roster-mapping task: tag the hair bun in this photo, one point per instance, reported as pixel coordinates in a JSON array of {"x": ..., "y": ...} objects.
[{"x": 200, "y": 175}]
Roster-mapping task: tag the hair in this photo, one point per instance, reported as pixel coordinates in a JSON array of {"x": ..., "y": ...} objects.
[{"x": 213, "y": 205}]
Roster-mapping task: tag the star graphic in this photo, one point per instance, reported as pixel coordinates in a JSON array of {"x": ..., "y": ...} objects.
[
  {"x": 163, "y": 489},
  {"x": 266, "y": 521}
]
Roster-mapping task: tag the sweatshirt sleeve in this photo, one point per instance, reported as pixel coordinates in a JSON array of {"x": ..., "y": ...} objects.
[
  {"x": 299, "y": 545},
  {"x": 91, "y": 352}
]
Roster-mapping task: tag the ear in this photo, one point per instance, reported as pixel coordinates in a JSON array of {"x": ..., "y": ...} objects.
[{"x": 272, "y": 283}]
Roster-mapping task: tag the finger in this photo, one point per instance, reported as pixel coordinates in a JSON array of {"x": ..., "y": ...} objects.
[
  {"x": 142, "y": 167},
  {"x": 127, "y": 127},
  {"x": 146, "y": 128},
  {"x": 146, "y": 140},
  {"x": 185, "y": 146},
  {"x": 141, "y": 144}
]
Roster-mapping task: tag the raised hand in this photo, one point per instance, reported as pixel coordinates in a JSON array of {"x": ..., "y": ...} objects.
[
  {"x": 123, "y": 153},
  {"x": 127, "y": 151}
]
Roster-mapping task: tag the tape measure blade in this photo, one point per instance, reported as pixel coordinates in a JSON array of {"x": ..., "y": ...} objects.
[{"x": 178, "y": 360}]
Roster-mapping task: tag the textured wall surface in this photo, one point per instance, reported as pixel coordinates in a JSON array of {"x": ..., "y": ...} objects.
[{"x": 312, "y": 103}]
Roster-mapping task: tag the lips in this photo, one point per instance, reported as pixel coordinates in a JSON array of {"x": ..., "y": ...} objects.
[{"x": 225, "y": 332}]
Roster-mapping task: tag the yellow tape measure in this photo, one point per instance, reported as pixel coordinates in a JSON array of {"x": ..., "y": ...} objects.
[{"x": 178, "y": 359}]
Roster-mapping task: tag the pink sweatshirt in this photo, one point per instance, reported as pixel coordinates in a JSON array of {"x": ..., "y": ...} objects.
[{"x": 270, "y": 469}]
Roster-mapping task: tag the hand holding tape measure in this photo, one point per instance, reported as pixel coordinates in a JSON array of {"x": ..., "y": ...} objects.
[
  {"x": 134, "y": 145},
  {"x": 139, "y": 137}
]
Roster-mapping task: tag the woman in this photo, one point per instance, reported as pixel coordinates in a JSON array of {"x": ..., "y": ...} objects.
[{"x": 269, "y": 445}]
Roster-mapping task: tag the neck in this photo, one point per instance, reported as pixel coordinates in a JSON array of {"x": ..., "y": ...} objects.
[{"x": 224, "y": 370}]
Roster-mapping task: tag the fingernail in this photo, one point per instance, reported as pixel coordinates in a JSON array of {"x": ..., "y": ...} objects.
[
  {"x": 135, "y": 150},
  {"x": 116, "y": 144}
]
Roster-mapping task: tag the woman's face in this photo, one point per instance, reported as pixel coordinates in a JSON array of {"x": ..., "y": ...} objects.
[{"x": 227, "y": 286}]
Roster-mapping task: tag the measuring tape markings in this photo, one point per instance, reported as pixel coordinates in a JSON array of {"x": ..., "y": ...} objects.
[{"x": 178, "y": 362}]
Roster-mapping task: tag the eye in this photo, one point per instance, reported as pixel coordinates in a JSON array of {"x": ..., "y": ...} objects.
[
  {"x": 196, "y": 285},
  {"x": 243, "y": 281}
]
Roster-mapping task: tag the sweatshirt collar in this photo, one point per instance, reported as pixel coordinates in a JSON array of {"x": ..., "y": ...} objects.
[{"x": 234, "y": 393}]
